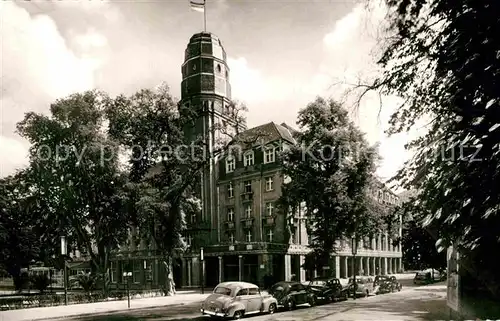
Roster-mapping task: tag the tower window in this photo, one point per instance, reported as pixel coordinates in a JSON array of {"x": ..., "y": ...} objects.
[
  {"x": 219, "y": 69},
  {"x": 230, "y": 215},
  {"x": 249, "y": 236},
  {"x": 248, "y": 211}
]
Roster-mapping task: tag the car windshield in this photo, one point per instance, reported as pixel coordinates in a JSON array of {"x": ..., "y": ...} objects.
[
  {"x": 318, "y": 283},
  {"x": 222, "y": 290}
]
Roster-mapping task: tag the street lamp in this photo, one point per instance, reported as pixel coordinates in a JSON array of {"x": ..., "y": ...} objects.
[
  {"x": 354, "y": 247},
  {"x": 202, "y": 271},
  {"x": 127, "y": 276},
  {"x": 64, "y": 252}
]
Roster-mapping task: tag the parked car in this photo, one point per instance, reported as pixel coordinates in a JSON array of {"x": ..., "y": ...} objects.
[
  {"x": 427, "y": 276},
  {"x": 290, "y": 294},
  {"x": 236, "y": 299},
  {"x": 328, "y": 289},
  {"x": 381, "y": 284},
  {"x": 386, "y": 284},
  {"x": 364, "y": 286}
]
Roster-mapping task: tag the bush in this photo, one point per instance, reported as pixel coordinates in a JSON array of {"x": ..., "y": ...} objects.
[{"x": 40, "y": 282}]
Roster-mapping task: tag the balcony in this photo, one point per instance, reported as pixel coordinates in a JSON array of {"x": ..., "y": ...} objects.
[
  {"x": 247, "y": 196},
  {"x": 230, "y": 225},
  {"x": 247, "y": 222},
  {"x": 269, "y": 220}
]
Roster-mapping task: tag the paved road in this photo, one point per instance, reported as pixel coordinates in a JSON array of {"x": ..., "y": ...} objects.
[{"x": 413, "y": 303}]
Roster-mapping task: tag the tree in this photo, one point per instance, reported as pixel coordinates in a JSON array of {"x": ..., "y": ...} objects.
[
  {"x": 165, "y": 166},
  {"x": 75, "y": 177},
  {"x": 418, "y": 242},
  {"x": 441, "y": 58},
  {"x": 19, "y": 242},
  {"x": 329, "y": 171}
]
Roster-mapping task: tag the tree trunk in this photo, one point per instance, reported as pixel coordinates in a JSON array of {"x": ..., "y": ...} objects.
[{"x": 169, "y": 279}]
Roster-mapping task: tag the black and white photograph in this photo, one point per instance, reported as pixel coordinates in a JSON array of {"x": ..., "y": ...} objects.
[{"x": 278, "y": 160}]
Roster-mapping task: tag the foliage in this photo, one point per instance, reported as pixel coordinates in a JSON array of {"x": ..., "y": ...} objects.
[
  {"x": 41, "y": 282},
  {"x": 75, "y": 177},
  {"x": 19, "y": 244},
  {"x": 418, "y": 242},
  {"x": 441, "y": 58},
  {"x": 333, "y": 157},
  {"x": 87, "y": 281}
]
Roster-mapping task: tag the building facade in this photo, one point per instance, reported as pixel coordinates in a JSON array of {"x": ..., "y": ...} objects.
[{"x": 241, "y": 231}]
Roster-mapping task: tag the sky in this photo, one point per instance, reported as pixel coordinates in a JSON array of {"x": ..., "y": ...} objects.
[{"x": 282, "y": 54}]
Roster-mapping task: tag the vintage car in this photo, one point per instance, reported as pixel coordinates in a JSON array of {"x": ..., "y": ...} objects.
[
  {"x": 386, "y": 284},
  {"x": 328, "y": 289},
  {"x": 235, "y": 299},
  {"x": 364, "y": 286},
  {"x": 289, "y": 294}
]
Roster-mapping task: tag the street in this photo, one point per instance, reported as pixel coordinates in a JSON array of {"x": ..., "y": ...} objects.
[{"x": 412, "y": 303}]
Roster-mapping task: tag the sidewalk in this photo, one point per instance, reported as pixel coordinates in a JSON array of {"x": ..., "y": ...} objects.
[{"x": 182, "y": 298}]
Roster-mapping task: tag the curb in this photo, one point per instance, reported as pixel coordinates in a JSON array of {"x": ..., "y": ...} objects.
[{"x": 107, "y": 312}]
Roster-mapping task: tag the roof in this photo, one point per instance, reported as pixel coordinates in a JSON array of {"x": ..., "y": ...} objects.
[
  {"x": 234, "y": 284},
  {"x": 267, "y": 133}
]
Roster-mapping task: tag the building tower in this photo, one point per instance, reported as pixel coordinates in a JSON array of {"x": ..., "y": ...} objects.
[{"x": 205, "y": 89}]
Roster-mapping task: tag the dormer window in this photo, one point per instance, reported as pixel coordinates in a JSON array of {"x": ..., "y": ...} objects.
[
  {"x": 248, "y": 158},
  {"x": 269, "y": 155},
  {"x": 230, "y": 164}
]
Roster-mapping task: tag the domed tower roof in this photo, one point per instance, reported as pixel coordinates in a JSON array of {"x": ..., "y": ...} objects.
[{"x": 205, "y": 69}]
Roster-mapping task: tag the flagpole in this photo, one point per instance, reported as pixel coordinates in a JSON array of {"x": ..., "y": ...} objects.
[{"x": 205, "y": 15}]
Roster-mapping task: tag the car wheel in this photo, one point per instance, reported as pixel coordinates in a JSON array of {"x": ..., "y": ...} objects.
[
  {"x": 399, "y": 288},
  {"x": 237, "y": 315},
  {"x": 272, "y": 308},
  {"x": 346, "y": 296},
  {"x": 312, "y": 301}
]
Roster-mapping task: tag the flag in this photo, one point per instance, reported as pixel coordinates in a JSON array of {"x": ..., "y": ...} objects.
[{"x": 197, "y": 5}]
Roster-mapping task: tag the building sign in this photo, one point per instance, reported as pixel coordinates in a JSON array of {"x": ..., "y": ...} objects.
[{"x": 453, "y": 284}]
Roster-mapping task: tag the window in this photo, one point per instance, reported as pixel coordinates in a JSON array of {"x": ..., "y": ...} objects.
[
  {"x": 231, "y": 238},
  {"x": 269, "y": 184},
  {"x": 270, "y": 235},
  {"x": 242, "y": 292},
  {"x": 136, "y": 272},
  {"x": 112, "y": 272},
  {"x": 189, "y": 240},
  {"x": 270, "y": 208},
  {"x": 230, "y": 164},
  {"x": 230, "y": 190},
  {"x": 230, "y": 214},
  {"x": 248, "y": 211},
  {"x": 249, "y": 236},
  {"x": 253, "y": 291},
  {"x": 193, "y": 218},
  {"x": 269, "y": 155},
  {"x": 248, "y": 158},
  {"x": 247, "y": 186}
]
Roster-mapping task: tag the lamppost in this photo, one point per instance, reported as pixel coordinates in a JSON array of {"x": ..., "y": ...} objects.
[
  {"x": 64, "y": 251},
  {"x": 202, "y": 271},
  {"x": 354, "y": 246},
  {"x": 127, "y": 276}
]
